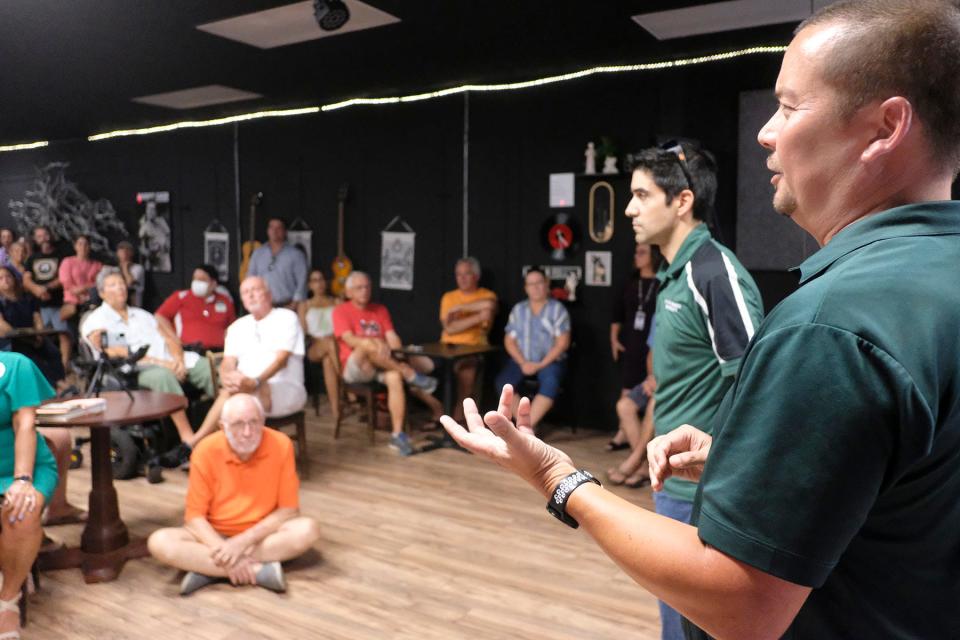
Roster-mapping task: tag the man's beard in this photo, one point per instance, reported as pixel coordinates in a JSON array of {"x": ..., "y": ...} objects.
[{"x": 242, "y": 448}]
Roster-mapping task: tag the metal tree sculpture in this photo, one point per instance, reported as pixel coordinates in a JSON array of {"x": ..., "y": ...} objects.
[{"x": 58, "y": 204}]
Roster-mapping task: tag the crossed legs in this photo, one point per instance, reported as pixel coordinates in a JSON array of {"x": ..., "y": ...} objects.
[
  {"x": 19, "y": 544},
  {"x": 177, "y": 547}
]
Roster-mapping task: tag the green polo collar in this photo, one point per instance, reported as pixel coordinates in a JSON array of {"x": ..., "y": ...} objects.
[
  {"x": 697, "y": 236},
  {"x": 919, "y": 219}
]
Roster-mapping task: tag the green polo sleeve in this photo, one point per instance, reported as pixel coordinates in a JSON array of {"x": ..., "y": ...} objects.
[{"x": 812, "y": 430}]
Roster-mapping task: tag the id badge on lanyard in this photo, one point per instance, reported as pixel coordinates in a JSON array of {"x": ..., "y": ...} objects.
[{"x": 640, "y": 320}]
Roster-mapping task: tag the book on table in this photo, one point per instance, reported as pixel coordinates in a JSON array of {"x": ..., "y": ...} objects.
[{"x": 66, "y": 410}]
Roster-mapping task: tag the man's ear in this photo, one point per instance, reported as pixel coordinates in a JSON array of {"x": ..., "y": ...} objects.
[
  {"x": 684, "y": 202},
  {"x": 892, "y": 121}
]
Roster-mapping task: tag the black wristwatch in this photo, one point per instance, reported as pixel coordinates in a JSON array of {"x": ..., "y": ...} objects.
[
  {"x": 24, "y": 478},
  {"x": 557, "y": 507}
]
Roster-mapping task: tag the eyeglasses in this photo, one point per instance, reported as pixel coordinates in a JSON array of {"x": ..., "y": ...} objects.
[
  {"x": 676, "y": 149},
  {"x": 239, "y": 424},
  {"x": 273, "y": 262}
]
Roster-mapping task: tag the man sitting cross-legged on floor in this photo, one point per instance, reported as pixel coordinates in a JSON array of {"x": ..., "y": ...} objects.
[
  {"x": 367, "y": 338},
  {"x": 242, "y": 517}
]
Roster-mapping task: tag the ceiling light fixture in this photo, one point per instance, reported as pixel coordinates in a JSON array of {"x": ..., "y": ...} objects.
[{"x": 330, "y": 14}]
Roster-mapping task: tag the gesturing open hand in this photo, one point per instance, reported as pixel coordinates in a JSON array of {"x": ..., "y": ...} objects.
[{"x": 513, "y": 447}]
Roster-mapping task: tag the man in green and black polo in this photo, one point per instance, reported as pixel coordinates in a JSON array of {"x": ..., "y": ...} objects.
[{"x": 708, "y": 307}]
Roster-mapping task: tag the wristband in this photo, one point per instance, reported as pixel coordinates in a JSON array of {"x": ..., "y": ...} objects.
[
  {"x": 557, "y": 507},
  {"x": 24, "y": 478}
]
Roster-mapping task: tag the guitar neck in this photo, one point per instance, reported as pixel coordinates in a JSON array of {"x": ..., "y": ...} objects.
[{"x": 340, "y": 229}]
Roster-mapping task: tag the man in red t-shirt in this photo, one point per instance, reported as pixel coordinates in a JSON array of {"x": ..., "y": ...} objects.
[
  {"x": 367, "y": 336},
  {"x": 205, "y": 313}
]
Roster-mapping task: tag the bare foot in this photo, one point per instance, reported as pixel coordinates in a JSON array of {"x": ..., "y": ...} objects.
[{"x": 68, "y": 515}]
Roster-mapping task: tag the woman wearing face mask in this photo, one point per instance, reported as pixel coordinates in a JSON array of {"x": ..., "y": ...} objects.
[
  {"x": 316, "y": 316},
  {"x": 205, "y": 313}
]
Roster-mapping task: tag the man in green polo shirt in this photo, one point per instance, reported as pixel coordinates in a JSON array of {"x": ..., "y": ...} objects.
[
  {"x": 708, "y": 307},
  {"x": 829, "y": 505}
]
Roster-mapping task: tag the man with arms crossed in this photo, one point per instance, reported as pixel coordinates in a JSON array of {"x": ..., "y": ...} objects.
[
  {"x": 367, "y": 339},
  {"x": 829, "y": 505},
  {"x": 242, "y": 518},
  {"x": 466, "y": 314}
]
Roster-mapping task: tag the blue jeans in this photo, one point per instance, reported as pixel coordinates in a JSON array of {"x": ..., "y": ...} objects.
[
  {"x": 549, "y": 378},
  {"x": 670, "y": 625}
]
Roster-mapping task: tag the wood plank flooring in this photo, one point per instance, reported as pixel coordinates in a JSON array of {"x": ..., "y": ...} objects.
[{"x": 440, "y": 545}]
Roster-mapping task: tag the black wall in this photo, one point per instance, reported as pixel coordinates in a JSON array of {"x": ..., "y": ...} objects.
[{"x": 407, "y": 160}]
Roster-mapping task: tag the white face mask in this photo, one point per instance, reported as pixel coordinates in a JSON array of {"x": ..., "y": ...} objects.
[{"x": 200, "y": 288}]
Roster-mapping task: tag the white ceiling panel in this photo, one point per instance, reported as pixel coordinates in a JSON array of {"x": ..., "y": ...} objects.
[
  {"x": 724, "y": 16},
  {"x": 293, "y": 23},
  {"x": 197, "y": 97}
]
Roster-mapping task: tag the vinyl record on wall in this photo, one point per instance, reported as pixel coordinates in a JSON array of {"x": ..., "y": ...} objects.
[{"x": 560, "y": 235}]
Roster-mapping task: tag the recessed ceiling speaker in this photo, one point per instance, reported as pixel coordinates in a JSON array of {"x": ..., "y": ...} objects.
[{"x": 330, "y": 14}]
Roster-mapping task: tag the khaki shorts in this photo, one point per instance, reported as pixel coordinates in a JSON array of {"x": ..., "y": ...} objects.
[
  {"x": 354, "y": 373},
  {"x": 286, "y": 398}
]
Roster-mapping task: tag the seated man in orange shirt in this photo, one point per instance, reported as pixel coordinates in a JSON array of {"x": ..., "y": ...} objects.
[
  {"x": 242, "y": 518},
  {"x": 466, "y": 314}
]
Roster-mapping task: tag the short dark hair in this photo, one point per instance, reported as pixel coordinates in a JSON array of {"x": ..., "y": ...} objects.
[
  {"x": 281, "y": 220},
  {"x": 17, "y": 285},
  {"x": 210, "y": 270},
  {"x": 670, "y": 174},
  {"x": 535, "y": 270},
  {"x": 896, "y": 48}
]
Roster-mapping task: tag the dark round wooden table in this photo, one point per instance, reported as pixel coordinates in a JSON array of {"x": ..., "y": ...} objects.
[{"x": 106, "y": 545}]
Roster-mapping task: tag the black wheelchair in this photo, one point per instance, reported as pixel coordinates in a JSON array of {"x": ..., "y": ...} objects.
[{"x": 134, "y": 449}]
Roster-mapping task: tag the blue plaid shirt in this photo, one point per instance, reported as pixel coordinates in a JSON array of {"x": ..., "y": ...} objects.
[{"x": 535, "y": 333}]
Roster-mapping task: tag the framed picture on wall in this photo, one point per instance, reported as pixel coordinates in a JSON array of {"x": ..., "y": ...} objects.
[
  {"x": 598, "y": 267},
  {"x": 154, "y": 231}
]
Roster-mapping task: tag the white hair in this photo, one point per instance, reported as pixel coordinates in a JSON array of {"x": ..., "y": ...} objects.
[
  {"x": 105, "y": 273},
  {"x": 236, "y": 399},
  {"x": 352, "y": 278},
  {"x": 473, "y": 262}
]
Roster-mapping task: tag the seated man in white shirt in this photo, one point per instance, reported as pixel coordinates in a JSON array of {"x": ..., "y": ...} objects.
[
  {"x": 117, "y": 329},
  {"x": 263, "y": 356}
]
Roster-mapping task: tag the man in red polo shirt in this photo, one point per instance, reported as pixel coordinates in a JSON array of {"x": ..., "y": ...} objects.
[{"x": 205, "y": 313}]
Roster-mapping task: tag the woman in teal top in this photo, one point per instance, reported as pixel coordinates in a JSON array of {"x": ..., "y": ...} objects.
[{"x": 28, "y": 476}]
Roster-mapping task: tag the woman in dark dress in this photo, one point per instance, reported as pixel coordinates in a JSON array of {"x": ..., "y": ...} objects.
[{"x": 630, "y": 327}]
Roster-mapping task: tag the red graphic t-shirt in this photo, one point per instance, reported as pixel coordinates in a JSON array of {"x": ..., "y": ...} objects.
[{"x": 371, "y": 322}]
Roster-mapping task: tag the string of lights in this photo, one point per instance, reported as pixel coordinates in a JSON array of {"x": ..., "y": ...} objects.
[
  {"x": 430, "y": 95},
  {"x": 23, "y": 146}
]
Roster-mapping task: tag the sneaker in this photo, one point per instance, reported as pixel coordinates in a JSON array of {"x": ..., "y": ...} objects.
[
  {"x": 401, "y": 443},
  {"x": 176, "y": 456},
  {"x": 193, "y": 581},
  {"x": 424, "y": 383},
  {"x": 270, "y": 577}
]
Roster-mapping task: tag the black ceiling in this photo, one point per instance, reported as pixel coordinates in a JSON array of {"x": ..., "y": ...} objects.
[{"x": 69, "y": 69}]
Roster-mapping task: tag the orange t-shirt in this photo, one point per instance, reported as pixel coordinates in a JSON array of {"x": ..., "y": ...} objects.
[
  {"x": 475, "y": 335},
  {"x": 232, "y": 494}
]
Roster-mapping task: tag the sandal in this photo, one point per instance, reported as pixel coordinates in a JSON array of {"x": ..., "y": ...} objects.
[
  {"x": 12, "y": 605},
  {"x": 636, "y": 481},
  {"x": 613, "y": 445},
  {"x": 615, "y": 476}
]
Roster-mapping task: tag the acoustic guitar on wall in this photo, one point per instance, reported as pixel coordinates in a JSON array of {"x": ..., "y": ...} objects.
[
  {"x": 341, "y": 264},
  {"x": 251, "y": 244}
]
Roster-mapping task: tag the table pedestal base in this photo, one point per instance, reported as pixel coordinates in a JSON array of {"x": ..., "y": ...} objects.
[{"x": 96, "y": 567}]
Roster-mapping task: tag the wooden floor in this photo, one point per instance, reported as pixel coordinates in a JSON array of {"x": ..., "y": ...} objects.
[{"x": 438, "y": 545}]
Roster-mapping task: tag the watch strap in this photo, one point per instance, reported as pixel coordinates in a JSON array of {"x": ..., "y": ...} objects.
[
  {"x": 557, "y": 506},
  {"x": 23, "y": 478}
]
